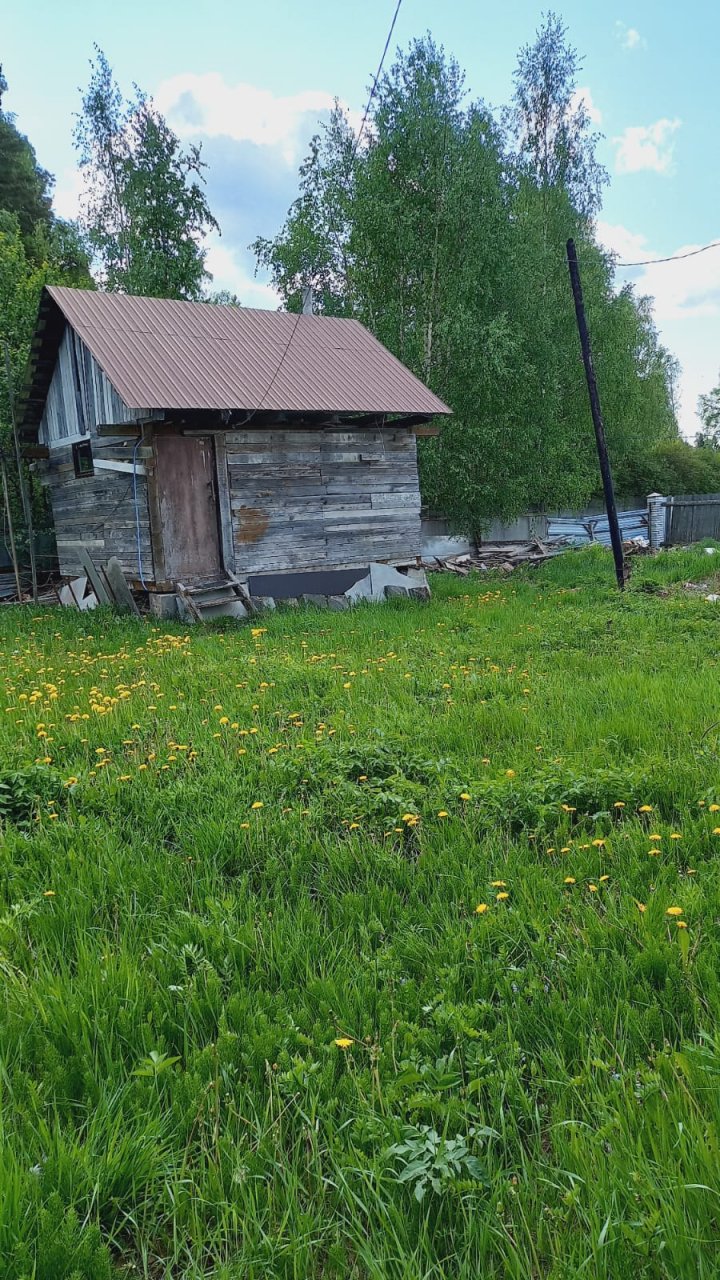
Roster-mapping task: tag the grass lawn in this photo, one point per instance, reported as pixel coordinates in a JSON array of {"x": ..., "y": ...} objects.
[{"x": 372, "y": 945}]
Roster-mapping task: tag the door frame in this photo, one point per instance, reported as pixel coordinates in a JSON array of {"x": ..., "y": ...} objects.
[{"x": 223, "y": 507}]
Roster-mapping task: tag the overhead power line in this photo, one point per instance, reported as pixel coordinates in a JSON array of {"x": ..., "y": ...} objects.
[
  {"x": 674, "y": 257},
  {"x": 378, "y": 73},
  {"x": 293, "y": 331}
]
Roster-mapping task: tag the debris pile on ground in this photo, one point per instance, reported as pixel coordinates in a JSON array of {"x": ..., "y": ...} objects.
[
  {"x": 504, "y": 556},
  {"x": 636, "y": 547}
]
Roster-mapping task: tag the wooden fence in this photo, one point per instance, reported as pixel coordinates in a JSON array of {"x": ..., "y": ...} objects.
[{"x": 691, "y": 518}]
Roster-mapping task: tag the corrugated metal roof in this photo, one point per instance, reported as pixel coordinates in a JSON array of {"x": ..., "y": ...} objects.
[{"x": 162, "y": 354}]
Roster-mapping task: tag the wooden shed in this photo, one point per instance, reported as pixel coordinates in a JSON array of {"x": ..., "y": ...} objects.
[{"x": 208, "y": 446}]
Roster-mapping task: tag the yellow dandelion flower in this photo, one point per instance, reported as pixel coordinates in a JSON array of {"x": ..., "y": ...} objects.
[
  {"x": 343, "y": 1042},
  {"x": 464, "y": 795},
  {"x": 509, "y": 773},
  {"x": 593, "y": 888},
  {"x": 500, "y": 897},
  {"x": 481, "y": 908},
  {"x": 568, "y": 808},
  {"x": 645, "y": 808},
  {"x": 716, "y": 831},
  {"x": 674, "y": 911},
  {"x": 675, "y": 835},
  {"x": 640, "y": 905},
  {"x": 258, "y": 804},
  {"x": 565, "y": 848},
  {"x": 569, "y": 880},
  {"x": 443, "y": 813},
  {"x": 619, "y": 804},
  {"x": 498, "y": 884},
  {"x": 714, "y": 808},
  {"x": 681, "y": 924},
  {"x": 49, "y": 893},
  {"x": 598, "y": 844},
  {"x": 224, "y": 720},
  {"x": 655, "y": 836},
  {"x": 604, "y": 879}
]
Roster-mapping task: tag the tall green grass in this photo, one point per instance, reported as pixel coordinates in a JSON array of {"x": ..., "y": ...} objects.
[{"x": 222, "y": 851}]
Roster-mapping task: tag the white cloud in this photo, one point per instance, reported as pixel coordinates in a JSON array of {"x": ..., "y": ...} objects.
[
  {"x": 228, "y": 272},
  {"x": 646, "y": 147},
  {"x": 629, "y": 37},
  {"x": 630, "y": 246},
  {"x": 686, "y": 296},
  {"x": 584, "y": 96},
  {"x": 67, "y": 195},
  {"x": 207, "y": 106}
]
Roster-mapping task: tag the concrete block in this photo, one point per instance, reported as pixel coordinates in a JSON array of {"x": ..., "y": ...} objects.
[
  {"x": 163, "y": 604},
  {"x": 320, "y": 602},
  {"x": 361, "y": 590},
  {"x": 337, "y": 603},
  {"x": 263, "y": 604}
]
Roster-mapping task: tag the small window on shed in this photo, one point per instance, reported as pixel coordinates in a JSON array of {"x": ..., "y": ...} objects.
[{"x": 83, "y": 459}]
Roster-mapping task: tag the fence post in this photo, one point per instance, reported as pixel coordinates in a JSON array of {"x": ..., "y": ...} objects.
[{"x": 656, "y": 520}]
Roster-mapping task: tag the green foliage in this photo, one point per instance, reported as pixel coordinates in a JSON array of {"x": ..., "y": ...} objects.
[
  {"x": 445, "y": 233},
  {"x": 177, "y": 967},
  {"x": 555, "y": 146},
  {"x": 36, "y": 248},
  {"x": 675, "y": 467},
  {"x": 145, "y": 211},
  {"x": 428, "y": 1161},
  {"x": 709, "y": 411},
  {"x": 59, "y": 258},
  {"x": 25, "y": 188},
  {"x": 24, "y": 791}
]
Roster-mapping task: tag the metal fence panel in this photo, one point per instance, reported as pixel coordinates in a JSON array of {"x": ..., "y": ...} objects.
[
  {"x": 691, "y": 518},
  {"x": 581, "y": 529}
]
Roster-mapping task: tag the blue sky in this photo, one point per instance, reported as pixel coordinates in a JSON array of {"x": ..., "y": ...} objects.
[{"x": 251, "y": 80}]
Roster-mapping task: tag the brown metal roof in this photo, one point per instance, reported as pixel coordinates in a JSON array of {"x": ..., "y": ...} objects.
[{"x": 162, "y": 354}]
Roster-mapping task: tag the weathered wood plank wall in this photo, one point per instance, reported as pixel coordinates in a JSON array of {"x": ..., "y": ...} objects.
[
  {"x": 95, "y": 512},
  {"x": 331, "y": 499},
  {"x": 98, "y": 512},
  {"x": 79, "y": 397}
]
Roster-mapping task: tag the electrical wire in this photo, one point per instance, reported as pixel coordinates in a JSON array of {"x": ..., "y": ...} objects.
[
  {"x": 293, "y": 331},
  {"x": 378, "y": 73},
  {"x": 674, "y": 257}
]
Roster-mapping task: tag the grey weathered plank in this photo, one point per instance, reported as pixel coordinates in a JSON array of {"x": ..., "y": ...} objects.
[
  {"x": 95, "y": 577},
  {"x": 119, "y": 587}
]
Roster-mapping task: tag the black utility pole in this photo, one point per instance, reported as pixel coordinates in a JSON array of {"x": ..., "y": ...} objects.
[{"x": 596, "y": 411}]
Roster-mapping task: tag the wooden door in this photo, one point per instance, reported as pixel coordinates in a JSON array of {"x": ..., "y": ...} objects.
[{"x": 188, "y": 506}]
